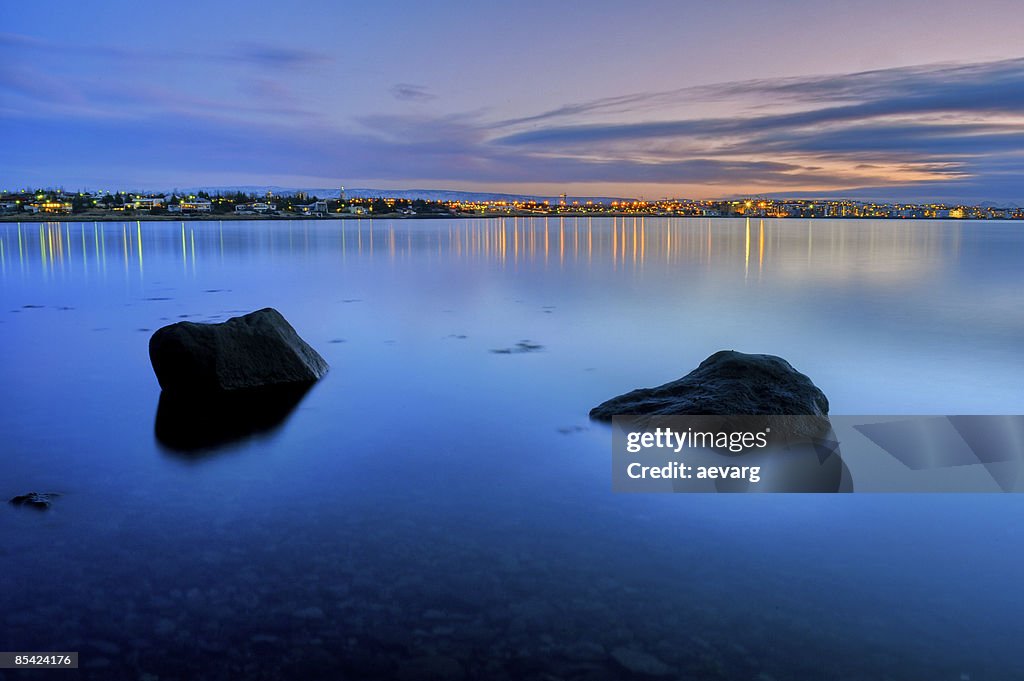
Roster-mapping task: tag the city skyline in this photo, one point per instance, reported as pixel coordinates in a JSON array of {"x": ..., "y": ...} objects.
[{"x": 866, "y": 101}]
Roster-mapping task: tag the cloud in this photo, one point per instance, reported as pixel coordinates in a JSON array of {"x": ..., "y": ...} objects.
[
  {"x": 929, "y": 126},
  {"x": 278, "y": 57},
  {"x": 411, "y": 93},
  {"x": 948, "y": 129},
  {"x": 906, "y": 140},
  {"x": 452, "y": 149},
  {"x": 39, "y": 87},
  {"x": 262, "y": 56},
  {"x": 986, "y": 90},
  {"x": 929, "y": 82}
]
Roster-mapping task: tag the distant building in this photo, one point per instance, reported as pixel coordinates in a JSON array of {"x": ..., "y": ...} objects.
[
  {"x": 49, "y": 206},
  {"x": 197, "y": 205},
  {"x": 259, "y": 207},
  {"x": 315, "y": 208},
  {"x": 912, "y": 213},
  {"x": 146, "y": 202}
]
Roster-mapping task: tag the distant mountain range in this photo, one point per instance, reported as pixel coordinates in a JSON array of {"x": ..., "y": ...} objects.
[{"x": 412, "y": 194}]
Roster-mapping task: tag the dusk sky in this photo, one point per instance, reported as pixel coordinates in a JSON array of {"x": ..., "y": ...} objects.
[{"x": 887, "y": 98}]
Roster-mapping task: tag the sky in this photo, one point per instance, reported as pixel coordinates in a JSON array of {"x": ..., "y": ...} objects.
[{"x": 900, "y": 100}]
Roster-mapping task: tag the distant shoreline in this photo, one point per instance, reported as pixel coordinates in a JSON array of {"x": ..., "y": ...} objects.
[
  {"x": 230, "y": 217},
  {"x": 203, "y": 217}
]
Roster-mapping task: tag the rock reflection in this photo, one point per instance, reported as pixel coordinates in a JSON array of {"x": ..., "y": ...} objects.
[{"x": 194, "y": 425}]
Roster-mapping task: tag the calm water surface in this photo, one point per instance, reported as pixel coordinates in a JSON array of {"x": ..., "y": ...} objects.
[{"x": 436, "y": 509}]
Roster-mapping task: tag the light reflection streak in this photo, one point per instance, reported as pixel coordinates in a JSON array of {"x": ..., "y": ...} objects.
[
  {"x": 42, "y": 251},
  {"x": 85, "y": 254},
  {"x": 746, "y": 250},
  {"x": 561, "y": 241},
  {"x": 634, "y": 241},
  {"x": 707, "y": 257},
  {"x": 721, "y": 245},
  {"x": 760, "y": 247}
]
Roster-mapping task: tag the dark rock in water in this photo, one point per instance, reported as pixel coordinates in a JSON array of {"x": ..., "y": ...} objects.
[
  {"x": 736, "y": 393},
  {"x": 256, "y": 350},
  {"x": 38, "y": 500},
  {"x": 726, "y": 383},
  {"x": 198, "y": 423},
  {"x": 229, "y": 381}
]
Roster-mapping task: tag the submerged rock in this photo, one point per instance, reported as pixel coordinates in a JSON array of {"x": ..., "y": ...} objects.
[
  {"x": 726, "y": 383},
  {"x": 256, "y": 350},
  {"x": 639, "y": 662},
  {"x": 38, "y": 500}
]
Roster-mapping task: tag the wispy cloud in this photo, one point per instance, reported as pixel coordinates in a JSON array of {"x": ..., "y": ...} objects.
[
  {"x": 275, "y": 56},
  {"x": 263, "y": 56},
  {"x": 931, "y": 124},
  {"x": 411, "y": 93}
]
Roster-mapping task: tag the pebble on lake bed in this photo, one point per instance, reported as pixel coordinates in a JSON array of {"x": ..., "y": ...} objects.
[{"x": 639, "y": 662}]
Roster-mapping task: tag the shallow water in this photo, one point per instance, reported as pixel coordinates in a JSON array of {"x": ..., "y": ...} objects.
[{"x": 436, "y": 508}]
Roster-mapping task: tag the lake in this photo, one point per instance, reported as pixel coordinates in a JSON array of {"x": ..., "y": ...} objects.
[{"x": 440, "y": 506}]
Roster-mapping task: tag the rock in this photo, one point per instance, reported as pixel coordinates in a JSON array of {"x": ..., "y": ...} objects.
[
  {"x": 38, "y": 500},
  {"x": 726, "y": 383},
  {"x": 431, "y": 668},
  {"x": 638, "y": 662},
  {"x": 256, "y": 350},
  {"x": 736, "y": 393}
]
